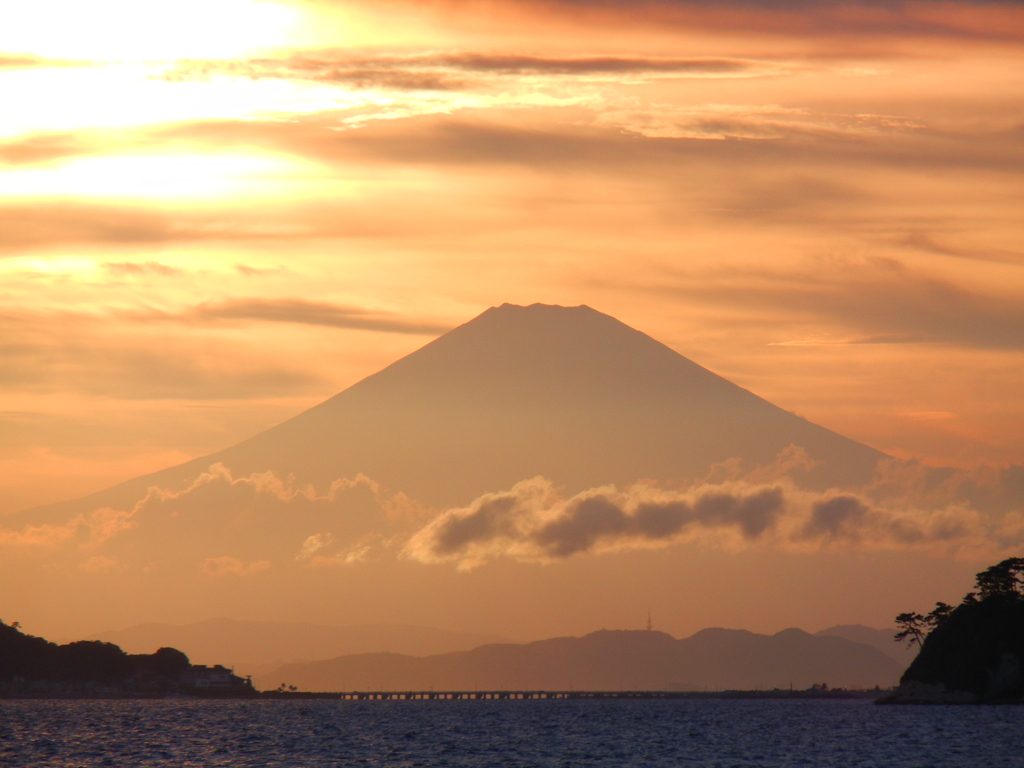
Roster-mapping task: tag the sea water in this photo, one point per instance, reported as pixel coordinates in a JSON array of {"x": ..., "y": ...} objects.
[{"x": 507, "y": 733}]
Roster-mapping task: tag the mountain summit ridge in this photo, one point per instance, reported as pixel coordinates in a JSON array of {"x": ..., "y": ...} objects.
[{"x": 712, "y": 659}]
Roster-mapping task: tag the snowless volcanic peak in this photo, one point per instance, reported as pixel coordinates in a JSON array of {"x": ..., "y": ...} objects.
[{"x": 519, "y": 391}]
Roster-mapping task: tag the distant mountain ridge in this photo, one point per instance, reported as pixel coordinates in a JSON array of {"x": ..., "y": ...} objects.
[
  {"x": 565, "y": 392},
  {"x": 712, "y": 659},
  {"x": 255, "y": 647}
]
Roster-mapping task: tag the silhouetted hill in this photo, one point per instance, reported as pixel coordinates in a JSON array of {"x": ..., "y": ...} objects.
[
  {"x": 713, "y": 659},
  {"x": 978, "y": 651},
  {"x": 564, "y": 392},
  {"x": 882, "y": 639},
  {"x": 33, "y": 666},
  {"x": 974, "y": 652},
  {"x": 255, "y": 647}
]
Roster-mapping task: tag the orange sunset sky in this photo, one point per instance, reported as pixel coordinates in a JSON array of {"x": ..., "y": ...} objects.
[{"x": 215, "y": 214}]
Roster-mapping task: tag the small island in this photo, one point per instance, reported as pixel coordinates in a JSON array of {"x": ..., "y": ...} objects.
[
  {"x": 972, "y": 653},
  {"x": 31, "y": 667}
]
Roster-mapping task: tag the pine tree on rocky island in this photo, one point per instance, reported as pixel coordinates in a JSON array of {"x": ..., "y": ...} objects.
[{"x": 973, "y": 652}]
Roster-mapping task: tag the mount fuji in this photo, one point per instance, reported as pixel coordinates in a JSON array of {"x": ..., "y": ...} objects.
[
  {"x": 343, "y": 515},
  {"x": 568, "y": 393}
]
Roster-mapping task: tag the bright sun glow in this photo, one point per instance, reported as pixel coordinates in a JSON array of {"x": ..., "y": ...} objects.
[
  {"x": 63, "y": 265},
  {"x": 152, "y": 177},
  {"x": 50, "y": 100},
  {"x": 110, "y": 30}
]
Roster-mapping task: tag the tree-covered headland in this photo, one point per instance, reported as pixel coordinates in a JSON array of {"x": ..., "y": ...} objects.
[
  {"x": 32, "y": 666},
  {"x": 973, "y": 652}
]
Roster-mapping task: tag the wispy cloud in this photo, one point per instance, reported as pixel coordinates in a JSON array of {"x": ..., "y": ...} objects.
[
  {"x": 36, "y": 62},
  {"x": 135, "y": 350},
  {"x": 259, "y": 518},
  {"x": 88, "y": 353},
  {"x": 140, "y": 268},
  {"x": 40, "y": 148},
  {"x": 29, "y": 225},
  {"x": 602, "y": 135},
  {"x": 308, "y": 313},
  {"x": 464, "y": 69},
  {"x": 40, "y": 225},
  {"x": 297, "y": 311},
  {"x": 224, "y": 566},
  {"x": 83, "y": 532},
  {"x": 753, "y": 121},
  {"x": 870, "y": 301},
  {"x": 977, "y": 19},
  {"x": 928, "y": 243}
]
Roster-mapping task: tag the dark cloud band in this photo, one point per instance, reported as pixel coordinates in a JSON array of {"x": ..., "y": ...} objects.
[
  {"x": 310, "y": 313},
  {"x": 531, "y": 522}
]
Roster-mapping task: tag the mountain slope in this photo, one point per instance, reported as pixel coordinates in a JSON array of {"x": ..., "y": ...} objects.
[
  {"x": 564, "y": 392},
  {"x": 712, "y": 659}
]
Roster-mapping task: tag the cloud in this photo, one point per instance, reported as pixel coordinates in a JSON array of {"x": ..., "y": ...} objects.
[
  {"x": 532, "y": 522},
  {"x": 464, "y": 70},
  {"x": 981, "y": 19},
  {"x": 99, "y": 564},
  {"x": 41, "y": 148},
  {"x": 120, "y": 268},
  {"x": 384, "y": 212},
  {"x": 797, "y": 150},
  {"x": 41, "y": 224},
  {"x": 76, "y": 351},
  {"x": 44, "y": 224},
  {"x": 831, "y": 518},
  {"x": 265, "y": 484},
  {"x": 993, "y": 491},
  {"x": 258, "y": 517},
  {"x": 872, "y": 300},
  {"x": 429, "y": 140},
  {"x": 144, "y": 353},
  {"x": 222, "y": 566},
  {"x": 314, "y": 544},
  {"x": 314, "y": 551},
  {"x": 928, "y": 244},
  {"x": 749, "y": 121},
  {"x": 19, "y": 62},
  {"x": 36, "y": 62},
  {"x": 297, "y": 311},
  {"x": 264, "y": 517},
  {"x": 348, "y": 88},
  {"x": 308, "y": 313},
  {"x": 84, "y": 531}
]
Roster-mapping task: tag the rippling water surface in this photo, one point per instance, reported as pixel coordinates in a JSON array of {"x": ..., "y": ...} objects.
[{"x": 506, "y": 733}]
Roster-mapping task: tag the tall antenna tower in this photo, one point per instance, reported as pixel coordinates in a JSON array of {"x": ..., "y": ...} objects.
[{"x": 650, "y": 626}]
